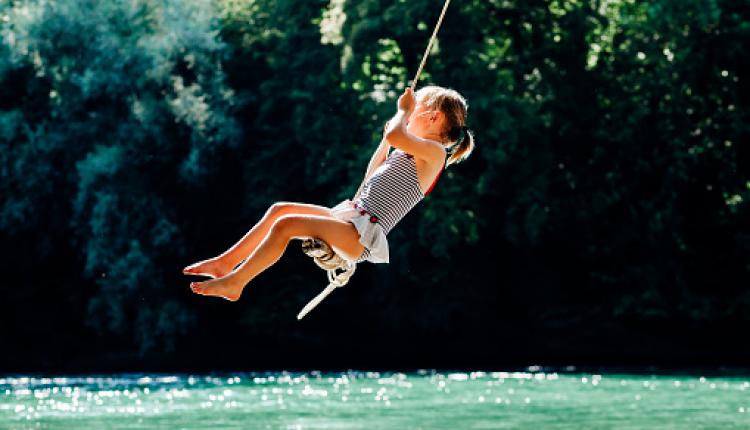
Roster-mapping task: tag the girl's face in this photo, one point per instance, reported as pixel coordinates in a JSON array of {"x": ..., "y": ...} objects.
[{"x": 421, "y": 121}]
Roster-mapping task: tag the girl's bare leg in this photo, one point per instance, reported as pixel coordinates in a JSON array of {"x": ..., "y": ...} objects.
[
  {"x": 338, "y": 233},
  {"x": 219, "y": 266}
]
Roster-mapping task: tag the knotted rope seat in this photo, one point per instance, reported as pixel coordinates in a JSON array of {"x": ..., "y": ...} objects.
[
  {"x": 328, "y": 260},
  {"x": 322, "y": 252}
]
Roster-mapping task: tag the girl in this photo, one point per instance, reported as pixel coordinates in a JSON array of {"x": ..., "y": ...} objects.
[{"x": 422, "y": 130}]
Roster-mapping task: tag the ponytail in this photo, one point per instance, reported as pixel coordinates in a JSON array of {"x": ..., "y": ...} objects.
[
  {"x": 454, "y": 107},
  {"x": 463, "y": 148}
]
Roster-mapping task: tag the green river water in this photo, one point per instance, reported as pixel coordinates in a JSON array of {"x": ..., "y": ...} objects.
[{"x": 425, "y": 399}]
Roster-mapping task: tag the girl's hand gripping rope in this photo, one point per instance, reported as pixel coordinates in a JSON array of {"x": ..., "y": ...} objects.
[{"x": 407, "y": 102}]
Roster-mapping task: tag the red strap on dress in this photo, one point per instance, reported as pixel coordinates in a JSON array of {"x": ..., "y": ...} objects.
[{"x": 436, "y": 179}]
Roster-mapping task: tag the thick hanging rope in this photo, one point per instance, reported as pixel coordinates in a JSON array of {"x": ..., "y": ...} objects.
[
  {"x": 329, "y": 261},
  {"x": 321, "y": 252},
  {"x": 429, "y": 45}
]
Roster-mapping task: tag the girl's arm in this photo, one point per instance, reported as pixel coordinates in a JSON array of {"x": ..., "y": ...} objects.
[
  {"x": 380, "y": 154},
  {"x": 398, "y": 136}
]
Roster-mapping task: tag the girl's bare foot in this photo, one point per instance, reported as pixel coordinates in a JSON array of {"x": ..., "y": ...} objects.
[
  {"x": 212, "y": 267},
  {"x": 227, "y": 287}
]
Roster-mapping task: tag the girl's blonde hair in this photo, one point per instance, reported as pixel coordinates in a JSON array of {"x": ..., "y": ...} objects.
[{"x": 454, "y": 106}]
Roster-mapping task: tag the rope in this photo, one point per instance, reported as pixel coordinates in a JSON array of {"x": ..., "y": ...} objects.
[
  {"x": 328, "y": 260},
  {"x": 335, "y": 281},
  {"x": 321, "y": 252},
  {"x": 429, "y": 45}
]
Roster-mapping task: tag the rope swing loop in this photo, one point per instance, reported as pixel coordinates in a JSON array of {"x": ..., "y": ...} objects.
[
  {"x": 429, "y": 45},
  {"x": 328, "y": 260},
  {"x": 335, "y": 281}
]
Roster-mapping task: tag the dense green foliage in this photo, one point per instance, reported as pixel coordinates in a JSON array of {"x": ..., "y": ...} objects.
[{"x": 608, "y": 189}]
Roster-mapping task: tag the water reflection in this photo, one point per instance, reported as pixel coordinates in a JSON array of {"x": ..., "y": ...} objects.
[{"x": 190, "y": 401}]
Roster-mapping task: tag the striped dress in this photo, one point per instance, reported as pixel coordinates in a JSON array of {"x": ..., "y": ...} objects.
[{"x": 391, "y": 192}]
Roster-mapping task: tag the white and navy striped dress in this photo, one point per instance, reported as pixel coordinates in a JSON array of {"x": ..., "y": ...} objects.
[{"x": 391, "y": 192}]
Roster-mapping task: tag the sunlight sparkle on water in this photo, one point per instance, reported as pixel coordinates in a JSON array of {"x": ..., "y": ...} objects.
[{"x": 424, "y": 399}]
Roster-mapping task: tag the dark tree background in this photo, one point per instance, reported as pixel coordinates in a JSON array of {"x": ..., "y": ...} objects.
[{"x": 601, "y": 220}]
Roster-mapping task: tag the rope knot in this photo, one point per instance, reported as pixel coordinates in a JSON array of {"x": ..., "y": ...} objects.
[{"x": 326, "y": 259}]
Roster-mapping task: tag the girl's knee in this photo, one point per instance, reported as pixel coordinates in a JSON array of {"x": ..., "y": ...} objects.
[
  {"x": 279, "y": 208},
  {"x": 293, "y": 208}
]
